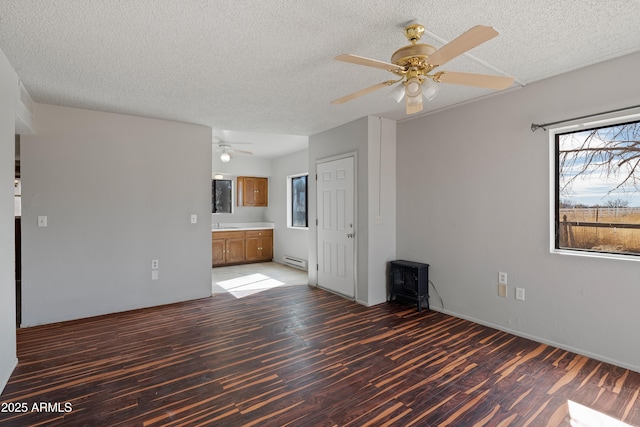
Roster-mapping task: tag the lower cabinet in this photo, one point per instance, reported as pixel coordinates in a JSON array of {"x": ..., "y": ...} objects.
[
  {"x": 238, "y": 247},
  {"x": 218, "y": 251},
  {"x": 259, "y": 245}
]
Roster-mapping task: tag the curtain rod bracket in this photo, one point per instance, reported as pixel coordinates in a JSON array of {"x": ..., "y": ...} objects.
[{"x": 535, "y": 127}]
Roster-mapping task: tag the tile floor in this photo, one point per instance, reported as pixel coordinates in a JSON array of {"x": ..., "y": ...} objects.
[{"x": 248, "y": 279}]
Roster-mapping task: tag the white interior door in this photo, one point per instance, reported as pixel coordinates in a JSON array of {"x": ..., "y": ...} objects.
[{"x": 336, "y": 227}]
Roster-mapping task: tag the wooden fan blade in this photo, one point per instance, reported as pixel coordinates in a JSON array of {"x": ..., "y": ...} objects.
[
  {"x": 362, "y": 92},
  {"x": 472, "y": 79},
  {"x": 361, "y": 60},
  {"x": 464, "y": 42}
]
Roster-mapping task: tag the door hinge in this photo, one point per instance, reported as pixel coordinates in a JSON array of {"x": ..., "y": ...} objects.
[
  {"x": 316, "y": 177},
  {"x": 317, "y": 267},
  {"x": 316, "y": 221}
]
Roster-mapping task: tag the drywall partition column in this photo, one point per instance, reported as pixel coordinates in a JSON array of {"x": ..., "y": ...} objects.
[
  {"x": 287, "y": 241},
  {"x": 473, "y": 200},
  {"x": 382, "y": 205},
  {"x": 118, "y": 191},
  {"x": 8, "y": 96}
]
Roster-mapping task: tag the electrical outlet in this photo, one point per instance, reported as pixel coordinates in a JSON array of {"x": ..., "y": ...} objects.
[
  {"x": 520, "y": 294},
  {"x": 502, "y": 290},
  {"x": 154, "y": 264},
  {"x": 379, "y": 219},
  {"x": 502, "y": 278}
]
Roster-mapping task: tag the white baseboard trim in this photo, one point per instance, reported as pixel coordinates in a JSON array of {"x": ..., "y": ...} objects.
[{"x": 561, "y": 346}]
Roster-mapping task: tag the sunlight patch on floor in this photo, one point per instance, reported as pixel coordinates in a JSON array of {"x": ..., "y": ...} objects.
[
  {"x": 248, "y": 285},
  {"x": 583, "y": 416}
]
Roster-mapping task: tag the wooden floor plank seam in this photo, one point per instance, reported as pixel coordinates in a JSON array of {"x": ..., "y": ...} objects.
[{"x": 301, "y": 356}]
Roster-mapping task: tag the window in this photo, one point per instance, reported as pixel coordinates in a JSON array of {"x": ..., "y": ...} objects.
[
  {"x": 221, "y": 196},
  {"x": 597, "y": 178},
  {"x": 297, "y": 201}
]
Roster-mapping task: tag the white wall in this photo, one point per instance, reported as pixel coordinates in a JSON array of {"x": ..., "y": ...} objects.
[
  {"x": 286, "y": 241},
  {"x": 370, "y": 138},
  {"x": 118, "y": 192},
  {"x": 8, "y": 96},
  {"x": 241, "y": 165},
  {"x": 473, "y": 199}
]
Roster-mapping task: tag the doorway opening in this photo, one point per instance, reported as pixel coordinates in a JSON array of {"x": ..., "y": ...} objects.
[{"x": 17, "y": 191}]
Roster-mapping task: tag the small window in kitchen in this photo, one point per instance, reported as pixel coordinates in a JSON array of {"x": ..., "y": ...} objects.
[
  {"x": 297, "y": 198},
  {"x": 221, "y": 196}
]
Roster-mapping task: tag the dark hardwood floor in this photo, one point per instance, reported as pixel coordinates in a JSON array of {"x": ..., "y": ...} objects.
[{"x": 299, "y": 356}]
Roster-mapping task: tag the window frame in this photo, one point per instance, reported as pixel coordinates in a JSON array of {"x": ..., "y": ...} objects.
[
  {"x": 231, "y": 196},
  {"x": 587, "y": 123},
  {"x": 290, "y": 181}
]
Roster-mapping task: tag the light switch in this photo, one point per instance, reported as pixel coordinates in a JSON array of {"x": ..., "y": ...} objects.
[
  {"x": 42, "y": 221},
  {"x": 194, "y": 219}
]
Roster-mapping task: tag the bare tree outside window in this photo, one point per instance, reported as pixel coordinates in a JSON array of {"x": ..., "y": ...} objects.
[
  {"x": 299, "y": 201},
  {"x": 597, "y": 189},
  {"x": 221, "y": 196}
]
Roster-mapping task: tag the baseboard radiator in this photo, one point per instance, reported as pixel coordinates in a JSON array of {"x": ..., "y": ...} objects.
[{"x": 295, "y": 262}]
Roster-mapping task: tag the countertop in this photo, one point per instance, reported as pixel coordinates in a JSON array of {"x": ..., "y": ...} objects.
[{"x": 241, "y": 226}]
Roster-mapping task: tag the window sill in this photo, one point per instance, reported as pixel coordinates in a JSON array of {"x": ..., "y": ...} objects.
[
  {"x": 297, "y": 228},
  {"x": 619, "y": 257}
]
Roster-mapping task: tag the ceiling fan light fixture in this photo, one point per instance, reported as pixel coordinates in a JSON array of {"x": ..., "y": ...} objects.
[
  {"x": 225, "y": 157},
  {"x": 397, "y": 93},
  {"x": 430, "y": 89},
  {"x": 413, "y": 88},
  {"x": 414, "y": 104},
  {"x": 414, "y": 100}
]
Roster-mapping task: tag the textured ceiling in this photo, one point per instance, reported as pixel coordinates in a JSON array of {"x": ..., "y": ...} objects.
[{"x": 267, "y": 65}]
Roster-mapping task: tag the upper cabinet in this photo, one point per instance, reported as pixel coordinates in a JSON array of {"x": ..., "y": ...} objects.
[{"x": 252, "y": 191}]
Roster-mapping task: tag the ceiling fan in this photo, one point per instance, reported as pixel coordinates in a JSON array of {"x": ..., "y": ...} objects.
[
  {"x": 226, "y": 148},
  {"x": 414, "y": 63}
]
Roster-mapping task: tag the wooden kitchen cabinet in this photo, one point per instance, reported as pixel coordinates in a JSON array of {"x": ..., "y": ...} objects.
[
  {"x": 252, "y": 191},
  {"x": 240, "y": 247},
  {"x": 259, "y": 245},
  {"x": 217, "y": 251},
  {"x": 227, "y": 247}
]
